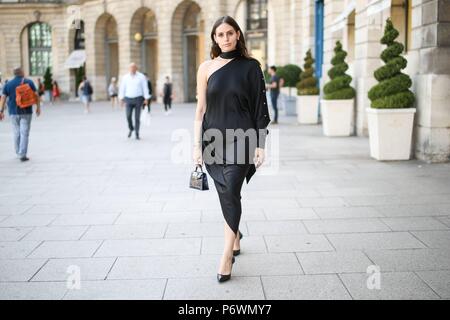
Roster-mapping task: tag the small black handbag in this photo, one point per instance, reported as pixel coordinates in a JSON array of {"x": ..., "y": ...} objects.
[{"x": 199, "y": 180}]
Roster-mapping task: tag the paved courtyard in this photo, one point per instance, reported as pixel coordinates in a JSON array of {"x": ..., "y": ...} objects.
[{"x": 117, "y": 214}]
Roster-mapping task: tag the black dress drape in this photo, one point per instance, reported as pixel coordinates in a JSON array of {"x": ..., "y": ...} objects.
[{"x": 235, "y": 123}]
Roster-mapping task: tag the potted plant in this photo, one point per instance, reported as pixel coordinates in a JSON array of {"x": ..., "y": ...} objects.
[
  {"x": 338, "y": 101},
  {"x": 308, "y": 94},
  {"x": 391, "y": 115},
  {"x": 290, "y": 74},
  {"x": 48, "y": 84}
]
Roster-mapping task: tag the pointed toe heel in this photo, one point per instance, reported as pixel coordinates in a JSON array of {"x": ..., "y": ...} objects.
[{"x": 223, "y": 277}]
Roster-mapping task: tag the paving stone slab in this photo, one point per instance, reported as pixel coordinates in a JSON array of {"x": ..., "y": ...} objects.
[
  {"x": 118, "y": 290},
  {"x": 63, "y": 269},
  {"x": 298, "y": 243},
  {"x": 66, "y": 249},
  {"x": 333, "y": 262},
  {"x": 305, "y": 287},
  {"x": 393, "y": 286},
  {"x": 207, "y": 288},
  {"x": 149, "y": 247},
  {"x": 376, "y": 240}
]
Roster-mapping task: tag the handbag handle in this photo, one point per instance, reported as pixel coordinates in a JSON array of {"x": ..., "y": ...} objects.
[{"x": 198, "y": 166}]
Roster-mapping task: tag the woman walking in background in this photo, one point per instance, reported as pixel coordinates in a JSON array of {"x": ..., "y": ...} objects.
[
  {"x": 41, "y": 90},
  {"x": 113, "y": 91},
  {"x": 168, "y": 96},
  {"x": 55, "y": 92},
  {"x": 86, "y": 92},
  {"x": 231, "y": 95}
]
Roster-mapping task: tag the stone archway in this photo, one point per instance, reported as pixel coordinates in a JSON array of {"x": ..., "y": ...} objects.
[
  {"x": 188, "y": 48},
  {"x": 106, "y": 54},
  {"x": 77, "y": 41},
  {"x": 144, "y": 42}
]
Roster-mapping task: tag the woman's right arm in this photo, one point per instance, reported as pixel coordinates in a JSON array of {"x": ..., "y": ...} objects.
[{"x": 199, "y": 112}]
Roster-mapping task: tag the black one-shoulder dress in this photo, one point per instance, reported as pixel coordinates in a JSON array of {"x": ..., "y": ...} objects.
[{"x": 234, "y": 124}]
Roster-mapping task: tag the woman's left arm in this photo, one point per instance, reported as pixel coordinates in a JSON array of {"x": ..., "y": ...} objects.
[{"x": 259, "y": 110}]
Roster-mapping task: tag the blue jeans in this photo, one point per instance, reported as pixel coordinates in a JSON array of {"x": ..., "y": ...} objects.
[
  {"x": 21, "y": 126},
  {"x": 274, "y": 100}
]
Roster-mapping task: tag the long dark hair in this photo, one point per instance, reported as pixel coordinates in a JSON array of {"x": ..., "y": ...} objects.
[{"x": 215, "y": 49}]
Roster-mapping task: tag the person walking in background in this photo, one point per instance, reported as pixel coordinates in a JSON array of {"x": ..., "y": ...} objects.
[
  {"x": 113, "y": 92},
  {"x": 133, "y": 91},
  {"x": 20, "y": 115},
  {"x": 168, "y": 96},
  {"x": 150, "y": 92},
  {"x": 274, "y": 86},
  {"x": 86, "y": 91},
  {"x": 55, "y": 92},
  {"x": 41, "y": 90}
]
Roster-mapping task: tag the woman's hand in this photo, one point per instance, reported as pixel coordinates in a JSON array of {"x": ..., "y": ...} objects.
[
  {"x": 259, "y": 157},
  {"x": 197, "y": 155}
]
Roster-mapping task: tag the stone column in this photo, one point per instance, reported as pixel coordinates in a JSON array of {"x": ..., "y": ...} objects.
[
  {"x": 431, "y": 28},
  {"x": 368, "y": 32},
  {"x": 332, "y": 8},
  {"x": 307, "y": 29}
]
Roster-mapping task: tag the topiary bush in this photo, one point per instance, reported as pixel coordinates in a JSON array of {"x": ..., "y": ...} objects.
[
  {"x": 338, "y": 88},
  {"x": 290, "y": 73},
  {"x": 308, "y": 82},
  {"x": 392, "y": 91},
  {"x": 48, "y": 81}
]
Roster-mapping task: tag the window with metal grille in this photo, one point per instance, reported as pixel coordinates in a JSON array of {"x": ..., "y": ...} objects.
[{"x": 40, "y": 48}]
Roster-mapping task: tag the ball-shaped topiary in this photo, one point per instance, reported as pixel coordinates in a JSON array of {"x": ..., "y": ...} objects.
[
  {"x": 392, "y": 91},
  {"x": 290, "y": 74},
  {"x": 308, "y": 83},
  {"x": 338, "y": 88}
]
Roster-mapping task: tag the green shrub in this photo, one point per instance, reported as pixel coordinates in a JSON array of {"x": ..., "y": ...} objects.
[
  {"x": 48, "y": 81},
  {"x": 392, "y": 91},
  {"x": 290, "y": 73},
  {"x": 338, "y": 88},
  {"x": 308, "y": 83}
]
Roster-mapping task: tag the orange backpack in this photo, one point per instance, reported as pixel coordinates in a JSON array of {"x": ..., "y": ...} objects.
[{"x": 25, "y": 96}]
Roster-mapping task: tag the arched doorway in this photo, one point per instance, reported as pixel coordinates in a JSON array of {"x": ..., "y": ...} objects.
[
  {"x": 76, "y": 42},
  {"x": 106, "y": 54},
  {"x": 144, "y": 42},
  {"x": 187, "y": 38}
]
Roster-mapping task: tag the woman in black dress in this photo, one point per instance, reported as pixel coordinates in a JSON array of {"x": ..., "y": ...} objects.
[{"x": 230, "y": 126}]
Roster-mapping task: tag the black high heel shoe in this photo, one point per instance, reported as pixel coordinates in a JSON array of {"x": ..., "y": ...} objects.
[
  {"x": 225, "y": 277},
  {"x": 238, "y": 252}
]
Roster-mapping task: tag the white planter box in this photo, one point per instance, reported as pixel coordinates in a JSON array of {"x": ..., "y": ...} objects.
[
  {"x": 307, "y": 109},
  {"x": 290, "y": 105},
  {"x": 337, "y": 116},
  {"x": 390, "y": 133}
]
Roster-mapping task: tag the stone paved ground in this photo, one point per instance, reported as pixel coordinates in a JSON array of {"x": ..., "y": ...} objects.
[{"x": 119, "y": 211}]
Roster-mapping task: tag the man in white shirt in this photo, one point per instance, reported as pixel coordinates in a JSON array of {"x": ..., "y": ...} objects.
[{"x": 133, "y": 91}]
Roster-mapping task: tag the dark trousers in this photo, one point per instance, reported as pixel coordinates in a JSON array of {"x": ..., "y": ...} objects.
[
  {"x": 167, "y": 103},
  {"x": 149, "y": 104},
  {"x": 136, "y": 104},
  {"x": 274, "y": 99}
]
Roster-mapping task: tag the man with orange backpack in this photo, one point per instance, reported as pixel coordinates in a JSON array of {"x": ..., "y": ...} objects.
[{"x": 22, "y": 95}]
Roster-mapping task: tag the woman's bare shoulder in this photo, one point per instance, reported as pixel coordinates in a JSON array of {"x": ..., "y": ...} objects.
[{"x": 205, "y": 65}]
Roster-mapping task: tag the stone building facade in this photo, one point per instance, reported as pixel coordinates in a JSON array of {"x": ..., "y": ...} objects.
[{"x": 172, "y": 37}]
